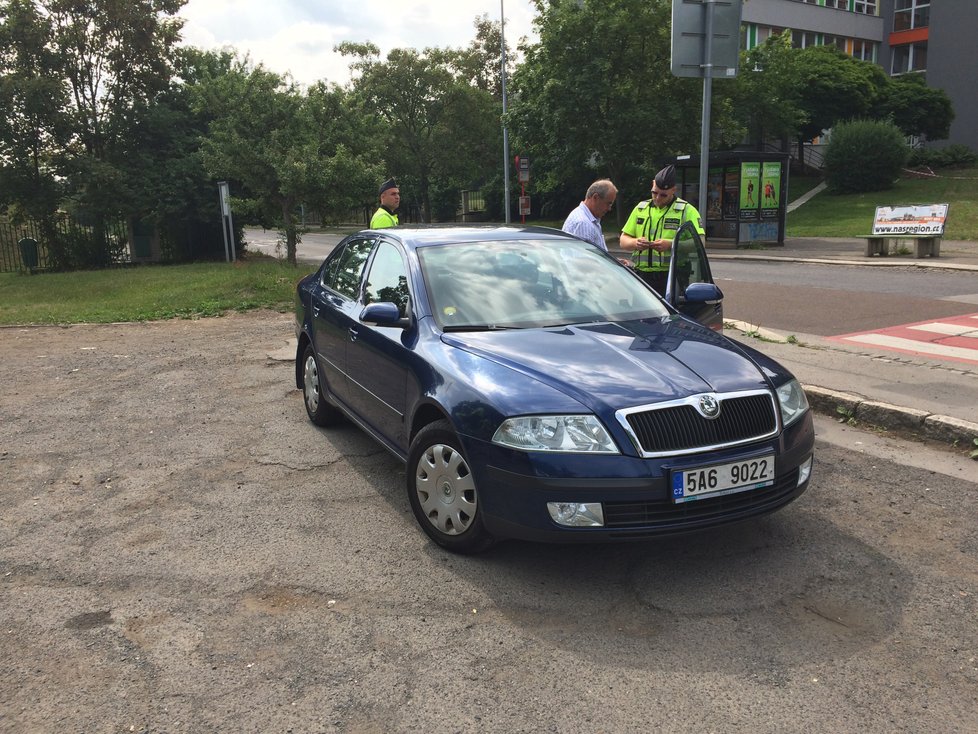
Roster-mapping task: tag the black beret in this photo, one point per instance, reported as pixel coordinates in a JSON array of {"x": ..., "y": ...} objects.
[
  {"x": 666, "y": 178},
  {"x": 388, "y": 184}
]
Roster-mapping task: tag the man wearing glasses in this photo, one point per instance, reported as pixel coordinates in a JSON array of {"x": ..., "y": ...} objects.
[
  {"x": 651, "y": 226},
  {"x": 585, "y": 221}
]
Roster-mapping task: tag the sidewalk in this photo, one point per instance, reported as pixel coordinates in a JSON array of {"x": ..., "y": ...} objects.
[{"x": 900, "y": 393}]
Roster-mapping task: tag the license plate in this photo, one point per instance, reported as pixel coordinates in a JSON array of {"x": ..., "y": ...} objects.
[{"x": 718, "y": 479}]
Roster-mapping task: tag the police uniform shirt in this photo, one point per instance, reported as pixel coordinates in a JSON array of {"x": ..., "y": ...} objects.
[{"x": 652, "y": 223}]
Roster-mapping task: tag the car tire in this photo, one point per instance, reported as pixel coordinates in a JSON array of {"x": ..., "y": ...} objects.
[
  {"x": 442, "y": 491},
  {"x": 318, "y": 408}
]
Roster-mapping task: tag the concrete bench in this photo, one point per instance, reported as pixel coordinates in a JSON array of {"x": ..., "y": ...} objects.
[
  {"x": 896, "y": 226},
  {"x": 923, "y": 245}
]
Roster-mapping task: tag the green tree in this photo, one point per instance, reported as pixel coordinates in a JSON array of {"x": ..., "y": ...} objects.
[
  {"x": 438, "y": 128},
  {"x": 766, "y": 92},
  {"x": 34, "y": 126},
  {"x": 284, "y": 146},
  {"x": 595, "y": 97},
  {"x": 864, "y": 155},
  {"x": 834, "y": 87},
  {"x": 916, "y": 108}
]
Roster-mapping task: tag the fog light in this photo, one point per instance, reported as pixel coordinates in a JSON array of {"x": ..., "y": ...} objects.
[
  {"x": 576, "y": 514},
  {"x": 805, "y": 471}
]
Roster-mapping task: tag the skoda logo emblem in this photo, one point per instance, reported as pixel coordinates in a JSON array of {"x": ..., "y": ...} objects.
[{"x": 709, "y": 406}]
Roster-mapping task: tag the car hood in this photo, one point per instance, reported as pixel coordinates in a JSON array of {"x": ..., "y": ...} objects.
[{"x": 622, "y": 364}]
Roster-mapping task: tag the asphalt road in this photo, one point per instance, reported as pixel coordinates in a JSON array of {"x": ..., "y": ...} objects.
[
  {"x": 182, "y": 551},
  {"x": 829, "y": 300}
]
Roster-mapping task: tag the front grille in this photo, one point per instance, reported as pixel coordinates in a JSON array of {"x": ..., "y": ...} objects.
[
  {"x": 681, "y": 428},
  {"x": 664, "y": 514}
]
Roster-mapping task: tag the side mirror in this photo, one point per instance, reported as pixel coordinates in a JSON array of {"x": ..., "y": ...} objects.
[
  {"x": 703, "y": 293},
  {"x": 384, "y": 313}
]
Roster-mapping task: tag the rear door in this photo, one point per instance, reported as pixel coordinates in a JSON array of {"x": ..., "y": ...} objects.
[
  {"x": 335, "y": 310},
  {"x": 689, "y": 265}
]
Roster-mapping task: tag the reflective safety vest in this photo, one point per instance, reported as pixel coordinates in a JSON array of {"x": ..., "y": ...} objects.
[
  {"x": 383, "y": 219},
  {"x": 653, "y": 223}
]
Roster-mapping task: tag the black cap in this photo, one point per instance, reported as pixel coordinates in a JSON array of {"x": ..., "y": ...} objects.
[
  {"x": 666, "y": 178},
  {"x": 388, "y": 184}
]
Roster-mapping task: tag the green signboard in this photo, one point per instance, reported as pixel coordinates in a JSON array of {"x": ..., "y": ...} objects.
[
  {"x": 750, "y": 189},
  {"x": 770, "y": 190}
]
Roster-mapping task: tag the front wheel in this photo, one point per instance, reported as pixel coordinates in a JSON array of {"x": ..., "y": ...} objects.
[
  {"x": 442, "y": 491},
  {"x": 318, "y": 407}
]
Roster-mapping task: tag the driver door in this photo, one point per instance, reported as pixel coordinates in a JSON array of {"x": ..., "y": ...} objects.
[{"x": 690, "y": 288}]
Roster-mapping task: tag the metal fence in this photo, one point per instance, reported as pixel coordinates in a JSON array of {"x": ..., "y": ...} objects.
[{"x": 106, "y": 244}]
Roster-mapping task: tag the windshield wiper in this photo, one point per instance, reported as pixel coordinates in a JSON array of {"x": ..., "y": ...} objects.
[{"x": 479, "y": 327}]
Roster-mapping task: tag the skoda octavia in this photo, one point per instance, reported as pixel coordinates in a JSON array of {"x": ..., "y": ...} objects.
[{"x": 536, "y": 388}]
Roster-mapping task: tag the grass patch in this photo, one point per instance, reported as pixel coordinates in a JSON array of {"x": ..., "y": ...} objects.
[
  {"x": 851, "y": 215},
  {"x": 798, "y": 185},
  {"x": 148, "y": 292}
]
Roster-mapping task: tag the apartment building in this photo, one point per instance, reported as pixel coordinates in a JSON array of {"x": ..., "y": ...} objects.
[{"x": 929, "y": 37}]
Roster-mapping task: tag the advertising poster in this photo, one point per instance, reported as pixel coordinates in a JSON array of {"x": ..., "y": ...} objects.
[
  {"x": 750, "y": 190},
  {"x": 715, "y": 186},
  {"x": 731, "y": 179},
  {"x": 770, "y": 190}
]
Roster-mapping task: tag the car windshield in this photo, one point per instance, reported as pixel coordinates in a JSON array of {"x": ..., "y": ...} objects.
[{"x": 515, "y": 284}]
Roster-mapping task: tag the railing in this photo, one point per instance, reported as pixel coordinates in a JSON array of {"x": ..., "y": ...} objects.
[{"x": 107, "y": 244}]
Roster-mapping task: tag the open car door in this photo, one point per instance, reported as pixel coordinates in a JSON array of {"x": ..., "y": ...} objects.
[{"x": 690, "y": 288}]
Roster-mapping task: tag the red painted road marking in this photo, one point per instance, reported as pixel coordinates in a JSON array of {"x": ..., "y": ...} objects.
[{"x": 952, "y": 337}]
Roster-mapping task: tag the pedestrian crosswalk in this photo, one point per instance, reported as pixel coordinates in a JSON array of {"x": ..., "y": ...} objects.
[{"x": 953, "y": 337}]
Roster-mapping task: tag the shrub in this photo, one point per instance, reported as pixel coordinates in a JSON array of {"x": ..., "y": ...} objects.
[
  {"x": 864, "y": 155},
  {"x": 953, "y": 156}
]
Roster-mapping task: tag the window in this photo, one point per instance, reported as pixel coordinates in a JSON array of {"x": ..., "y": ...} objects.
[
  {"x": 864, "y": 50},
  {"x": 387, "y": 281},
  {"x": 866, "y": 7},
  {"x": 910, "y": 14},
  {"x": 910, "y": 57},
  {"x": 343, "y": 273},
  {"x": 803, "y": 39}
]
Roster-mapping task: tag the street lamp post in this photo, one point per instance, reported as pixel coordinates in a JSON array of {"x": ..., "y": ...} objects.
[{"x": 502, "y": 43}]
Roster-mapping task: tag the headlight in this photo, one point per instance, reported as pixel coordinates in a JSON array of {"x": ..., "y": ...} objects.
[
  {"x": 568, "y": 433},
  {"x": 793, "y": 402}
]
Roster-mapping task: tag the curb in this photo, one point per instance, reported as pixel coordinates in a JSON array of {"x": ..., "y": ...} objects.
[
  {"x": 943, "y": 428},
  {"x": 850, "y": 406},
  {"x": 839, "y": 261}
]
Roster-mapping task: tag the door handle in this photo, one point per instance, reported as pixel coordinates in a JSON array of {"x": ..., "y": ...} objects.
[{"x": 353, "y": 334}]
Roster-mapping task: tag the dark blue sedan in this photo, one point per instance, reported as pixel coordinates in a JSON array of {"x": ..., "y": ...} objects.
[{"x": 536, "y": 388}]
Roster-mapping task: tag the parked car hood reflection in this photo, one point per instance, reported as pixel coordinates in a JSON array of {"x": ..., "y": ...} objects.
[{"x": 620, "y": 364}]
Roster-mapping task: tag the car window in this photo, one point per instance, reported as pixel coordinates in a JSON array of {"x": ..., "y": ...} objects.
[
  {"x": 529, "y": 283},
  {"x": 691, "y": 265},
  {"x": 344, "y": 272},
  {"x": 387, "y": 280}
]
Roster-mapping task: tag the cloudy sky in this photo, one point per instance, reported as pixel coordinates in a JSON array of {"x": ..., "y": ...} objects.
[{"x": 298, "y": 36}]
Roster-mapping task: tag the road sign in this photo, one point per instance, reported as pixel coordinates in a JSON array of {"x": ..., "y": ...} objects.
[
  {"x": 523, "y": 163},
  {"x": 524, "y": 206},
  {"x": 689, "y": 29}
]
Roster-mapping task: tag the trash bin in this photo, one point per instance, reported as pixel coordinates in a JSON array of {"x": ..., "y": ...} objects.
[{"x": 28, "y": 253}]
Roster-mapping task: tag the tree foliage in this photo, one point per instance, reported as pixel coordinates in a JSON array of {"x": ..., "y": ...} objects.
[
  {"x": 916, "y": 108},
  {"x": 435, "y": 124},
  {"x": 595, "y": 97},
  {"x": 864, "y": 155},
  {"x": 285, "y": 146}
]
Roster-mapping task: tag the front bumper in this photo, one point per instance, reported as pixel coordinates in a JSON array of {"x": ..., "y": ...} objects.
[{"x": 635, "y": 495}]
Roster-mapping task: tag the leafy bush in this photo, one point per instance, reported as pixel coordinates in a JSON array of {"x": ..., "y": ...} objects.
[
  {"x": 864, "y": 155},
  {"x": 953, "y": 156}
]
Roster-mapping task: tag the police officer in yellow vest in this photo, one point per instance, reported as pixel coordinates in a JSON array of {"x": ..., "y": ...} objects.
[
  {"x": 651, "y": 226},
  {"x": 390, "y": 199}
]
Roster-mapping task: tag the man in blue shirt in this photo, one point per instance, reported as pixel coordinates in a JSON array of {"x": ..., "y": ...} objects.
[{"x": 585, "y": 220}]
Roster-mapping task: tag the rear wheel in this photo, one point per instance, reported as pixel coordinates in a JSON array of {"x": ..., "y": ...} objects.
[
  {"x": 442, "y": 491},
  {"x": 318, "y": 407}
]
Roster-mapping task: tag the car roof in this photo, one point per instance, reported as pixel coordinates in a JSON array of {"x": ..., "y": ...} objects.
[{"x": 420, "y": 235}]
